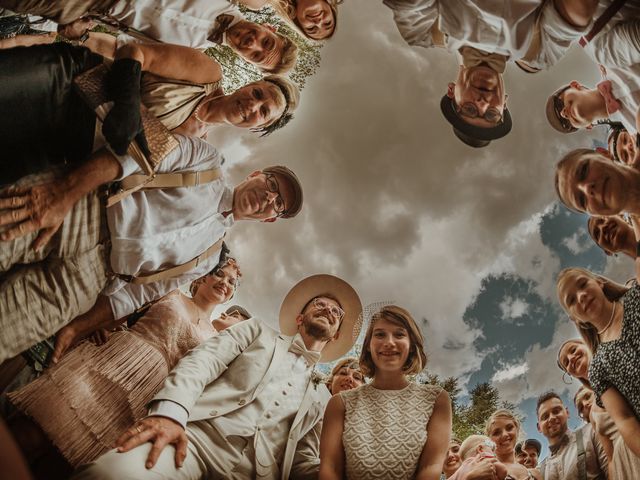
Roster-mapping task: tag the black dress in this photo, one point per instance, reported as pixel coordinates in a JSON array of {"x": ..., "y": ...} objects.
[
  {"x": 616, "y": 363},
  {"x": 43, "y": 122}
]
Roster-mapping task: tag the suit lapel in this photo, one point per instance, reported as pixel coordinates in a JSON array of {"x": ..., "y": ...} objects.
[
  {"x": 282, "y": 346},
  {"x": 307, "y": 399}
]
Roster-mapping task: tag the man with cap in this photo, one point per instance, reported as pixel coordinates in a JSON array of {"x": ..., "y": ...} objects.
[
  {"x": 485, "y": 35},
  {"x": 528, "y": 452},
  {"x": 192, "y": 23},
  {"x": 232, "y": 315},
  {"x": 65, "y": 255},
  {"x": 244, "y": 404},
  {"x": 617, "y": 97}
]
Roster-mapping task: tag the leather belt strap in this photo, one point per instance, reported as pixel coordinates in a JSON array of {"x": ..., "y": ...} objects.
[
  {"x": 601, "y": 21},
  {"x": 171, "y": 180},
  {"x": 172, "y": 272},
  {"x": 133, "y": 183}
]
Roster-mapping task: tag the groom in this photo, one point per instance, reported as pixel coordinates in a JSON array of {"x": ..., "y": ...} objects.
[{"x": 243, "y": 404}]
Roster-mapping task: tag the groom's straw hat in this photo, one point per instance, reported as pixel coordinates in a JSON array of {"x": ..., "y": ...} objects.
[{"x": 317, "y": 285}]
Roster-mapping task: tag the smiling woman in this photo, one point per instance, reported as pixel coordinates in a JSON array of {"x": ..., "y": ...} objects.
[
  {"x": 98, "y": 391},
  {"x": 607, "y": 317},
  {"x": 391, "y": 428}
]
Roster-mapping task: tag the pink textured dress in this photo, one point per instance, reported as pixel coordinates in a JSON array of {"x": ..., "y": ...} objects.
[{"x": 85, "y": 403}]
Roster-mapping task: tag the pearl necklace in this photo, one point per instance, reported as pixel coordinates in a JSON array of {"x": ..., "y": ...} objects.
[
  {"x": 613, "y": 311},
  {"x": 202, "y": 104}
]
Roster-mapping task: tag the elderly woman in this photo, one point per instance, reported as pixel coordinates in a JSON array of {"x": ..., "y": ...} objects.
[
  {"x": 574, "y": 358},
  {"x": 345, "y": 375},
  {"x": 392, "y": 426},
  {"x": 97, "y": 391},
  {"x": 181, "y": 86},
  {"x": 504, "y": 428},
  {"x": 606, "y": 316},
  {"x": 315, "y": 19}
]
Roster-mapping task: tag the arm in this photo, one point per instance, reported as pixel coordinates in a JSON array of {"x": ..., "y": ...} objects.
[
  {"x": 331, "y": 448},
  {"x": 27, "y": 40},
  {"x": 628, "y": 425},
  {"x": 438, "y": 434},
  {"x": 306, "y": 460},
  {"x": 172, "y": 61},
  {"x": 254, "y": 4},
  {"x": 43, "y": 207},
  {"x": 606, "y": 47}
]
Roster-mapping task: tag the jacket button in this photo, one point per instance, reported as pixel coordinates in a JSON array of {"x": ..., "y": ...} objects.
[
  {"x": 213, "y": 413},
  {"x": 242, "y": 402}
]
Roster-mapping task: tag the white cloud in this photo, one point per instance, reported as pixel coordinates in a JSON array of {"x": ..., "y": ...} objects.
[
  {"x": 513, "y": 308},
  {"x": 579, "y": 242},
  {"x": 510, "y": 372}
]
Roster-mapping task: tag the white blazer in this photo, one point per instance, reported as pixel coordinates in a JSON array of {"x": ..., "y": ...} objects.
[{"x": 230, "y": 370}]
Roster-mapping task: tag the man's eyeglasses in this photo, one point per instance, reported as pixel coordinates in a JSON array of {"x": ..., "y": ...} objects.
[
  {"x": 492, "y": 114},
  {"x": 335, "y": 311},
  {"x": 272, "y": 186}
]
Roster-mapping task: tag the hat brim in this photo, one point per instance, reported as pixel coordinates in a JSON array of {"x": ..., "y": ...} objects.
[
  {"x": 309, "y": 288},
  {"x": 470, "y": 134}
]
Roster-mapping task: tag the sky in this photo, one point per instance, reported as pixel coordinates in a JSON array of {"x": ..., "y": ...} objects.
[{"x": 468, "y": 240}]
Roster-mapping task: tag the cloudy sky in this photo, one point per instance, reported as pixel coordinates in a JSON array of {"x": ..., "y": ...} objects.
[{"x": 468, "y": 240}]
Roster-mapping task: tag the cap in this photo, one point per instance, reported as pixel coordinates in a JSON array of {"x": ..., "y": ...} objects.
[
  {"x": 472, "y": 135},
  {"x": 296, "y": 204}
]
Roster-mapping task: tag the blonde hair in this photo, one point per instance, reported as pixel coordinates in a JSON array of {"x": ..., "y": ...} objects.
[
  {"x": 502, "y": 413},
  {"x": 285, "y": 85},
  {"x": 613, "y": 291},
  {"x": 417, "y": 359},
  {"x": 286, "y": 9},
  {"x": 471, "y": 443},
  {"x": 349, "y": 362}
]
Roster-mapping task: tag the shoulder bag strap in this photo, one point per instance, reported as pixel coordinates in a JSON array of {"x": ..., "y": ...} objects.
[
  {"x": 582, "y": 456},
  {"x": 172, "y": 272},
  {"x": 601, "y": 21}
]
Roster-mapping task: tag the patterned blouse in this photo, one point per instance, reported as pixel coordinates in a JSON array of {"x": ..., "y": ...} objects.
[
  {"x": 386, "y": 430},
  {"x": 615, "y": 363}
]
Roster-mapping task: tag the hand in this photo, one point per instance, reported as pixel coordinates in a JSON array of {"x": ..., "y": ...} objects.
[
  {"x": 160, "y": 431},
  {"x": 482, "y": 470},
  {"x": 36, "y": 208},
  {"x": 75, "y": 29},
  {"x": 100, "y": 336},
  {"x": 66, "y": 337}
]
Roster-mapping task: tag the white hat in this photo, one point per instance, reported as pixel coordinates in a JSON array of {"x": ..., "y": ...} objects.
[{"x": 317, "y": 285}]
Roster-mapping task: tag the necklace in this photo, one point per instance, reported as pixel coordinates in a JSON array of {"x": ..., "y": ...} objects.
[
  {"x": 196, "y": 112},
  {"x": 613, "y": 311}
]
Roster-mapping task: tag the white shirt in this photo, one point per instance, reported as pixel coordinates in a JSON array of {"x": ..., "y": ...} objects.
[
  {"x": 155, "y": 229},
  {"x": 183, "y": 22},
  {"x": 505, "y": 27},
  {"x": 618, "y": 51}
]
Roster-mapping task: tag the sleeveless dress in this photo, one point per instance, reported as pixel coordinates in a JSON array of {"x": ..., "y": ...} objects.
[
  {"x": 85, "y": 402},
  {"x": 386, "y": 430},
  {"x": 624, "y": 463}
]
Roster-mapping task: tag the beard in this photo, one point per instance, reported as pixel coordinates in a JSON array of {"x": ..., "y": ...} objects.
[{"x": 316, "y": 328}]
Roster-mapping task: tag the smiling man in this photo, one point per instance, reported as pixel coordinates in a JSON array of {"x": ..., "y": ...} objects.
[
  {"x": 192, "y": 23},
  {"x": 97, "y": 264},
  {"x": 574, "y": 455},
  {"x": 613, "y": 235},
  {"x": 244, "y": 404},
  {"x": 588, "y": 181},
  {"x": 485, "y": 36}
]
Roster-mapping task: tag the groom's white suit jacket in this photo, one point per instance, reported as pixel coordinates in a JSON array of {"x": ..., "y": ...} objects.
[{"x": 230, "y": 370}]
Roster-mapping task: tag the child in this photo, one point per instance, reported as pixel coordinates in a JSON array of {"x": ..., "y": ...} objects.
[{"x": 474, "y": 449}]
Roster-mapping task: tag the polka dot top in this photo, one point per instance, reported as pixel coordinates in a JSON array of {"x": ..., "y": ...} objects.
[{"x": 615, "y": 363}]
